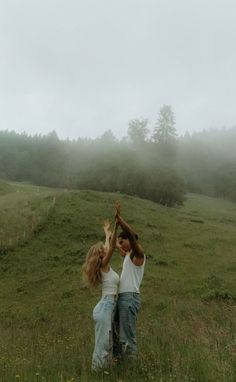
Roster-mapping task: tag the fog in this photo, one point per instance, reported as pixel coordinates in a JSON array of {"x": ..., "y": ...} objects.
[{"x": 83, "y": 67}]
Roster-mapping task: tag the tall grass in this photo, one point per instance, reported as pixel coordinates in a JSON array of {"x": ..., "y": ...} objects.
[
  {"x": 24, "y": 210},
  {"x": 187, "y": 324}
]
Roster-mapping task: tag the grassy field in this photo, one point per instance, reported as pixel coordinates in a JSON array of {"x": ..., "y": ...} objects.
[{"x": 187, "y": 324}]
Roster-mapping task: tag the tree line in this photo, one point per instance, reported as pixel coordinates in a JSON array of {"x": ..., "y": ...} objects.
[{"x": 153, "y": 164}]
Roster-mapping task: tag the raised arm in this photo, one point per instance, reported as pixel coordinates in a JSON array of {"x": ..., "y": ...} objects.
[
  {"x": 108, "y": 233},
  {"x": 112, "y": 246},
  {"x": 136, "y": 247}
]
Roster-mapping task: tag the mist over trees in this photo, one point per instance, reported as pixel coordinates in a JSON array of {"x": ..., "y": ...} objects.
[
  {"x": 149, "y": 163},
  {"x": 207, "y": 162}
]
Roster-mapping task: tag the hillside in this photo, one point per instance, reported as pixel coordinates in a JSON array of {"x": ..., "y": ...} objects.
[{"x": 187, "y": 323}]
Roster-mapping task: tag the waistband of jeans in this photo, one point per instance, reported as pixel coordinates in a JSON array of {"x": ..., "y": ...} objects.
[
  {"x": 135, "y": 294},
  {"x": 111, "y": 297}
]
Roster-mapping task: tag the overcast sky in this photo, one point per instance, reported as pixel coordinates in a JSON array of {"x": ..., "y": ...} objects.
[{"x": 81, "y": 67}]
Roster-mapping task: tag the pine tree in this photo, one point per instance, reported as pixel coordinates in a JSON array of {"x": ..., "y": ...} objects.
[{"x": 165, "y": 131}]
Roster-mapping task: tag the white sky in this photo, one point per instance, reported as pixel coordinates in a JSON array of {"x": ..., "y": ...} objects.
[{"x": 81, "y": 67}]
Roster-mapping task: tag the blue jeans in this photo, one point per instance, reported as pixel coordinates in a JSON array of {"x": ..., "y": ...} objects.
[
  {"x": 125, "y": 323},
  {"x": 103, "y": 315}
]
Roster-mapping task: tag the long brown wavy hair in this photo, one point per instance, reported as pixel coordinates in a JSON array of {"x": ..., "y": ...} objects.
[{"x": 92, "y": 265}]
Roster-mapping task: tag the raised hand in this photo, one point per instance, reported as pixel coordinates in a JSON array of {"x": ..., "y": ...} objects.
[
  {"x": 118, "y": 207},
  {"x": 107, "y": 226}
]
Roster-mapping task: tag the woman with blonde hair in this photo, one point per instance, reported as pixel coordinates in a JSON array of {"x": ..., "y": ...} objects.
[{"x": 97, "y": 271}]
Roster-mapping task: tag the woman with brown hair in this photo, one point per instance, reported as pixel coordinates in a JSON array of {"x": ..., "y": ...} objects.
[
  {"x": 129, "y": 300},
  {"x": 97, "y": 271}
]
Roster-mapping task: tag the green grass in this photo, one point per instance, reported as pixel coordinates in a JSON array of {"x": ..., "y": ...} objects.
[
  {"x": 187, "y": 324},
  {"x": 24, "y": 209}
]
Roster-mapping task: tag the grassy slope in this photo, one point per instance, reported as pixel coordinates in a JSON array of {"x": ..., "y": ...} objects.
[{"x": 187, "y": 323}]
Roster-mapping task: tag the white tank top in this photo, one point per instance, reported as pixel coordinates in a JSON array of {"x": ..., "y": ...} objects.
[
  {"x": 131, "y": 275},
  {"x": 110, "y": 281}
]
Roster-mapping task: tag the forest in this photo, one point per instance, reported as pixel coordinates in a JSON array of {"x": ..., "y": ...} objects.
[{"x": 155, "y": 164}]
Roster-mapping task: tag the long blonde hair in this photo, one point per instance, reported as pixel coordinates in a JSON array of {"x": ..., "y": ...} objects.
[{"x": 92, "y": 265}]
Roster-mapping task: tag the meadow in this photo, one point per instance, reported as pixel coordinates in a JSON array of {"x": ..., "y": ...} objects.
[{"x": 187, "y": 323}]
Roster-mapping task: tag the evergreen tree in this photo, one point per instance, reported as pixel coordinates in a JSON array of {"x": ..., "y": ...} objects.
[
  {"x": 165, "y": 131},
  {"x": 137, "y": 131}
]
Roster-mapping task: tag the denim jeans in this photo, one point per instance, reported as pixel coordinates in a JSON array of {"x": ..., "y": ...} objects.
[
  {"x": 125, "y": 323},
  {"x": 103, "y": 315}
]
